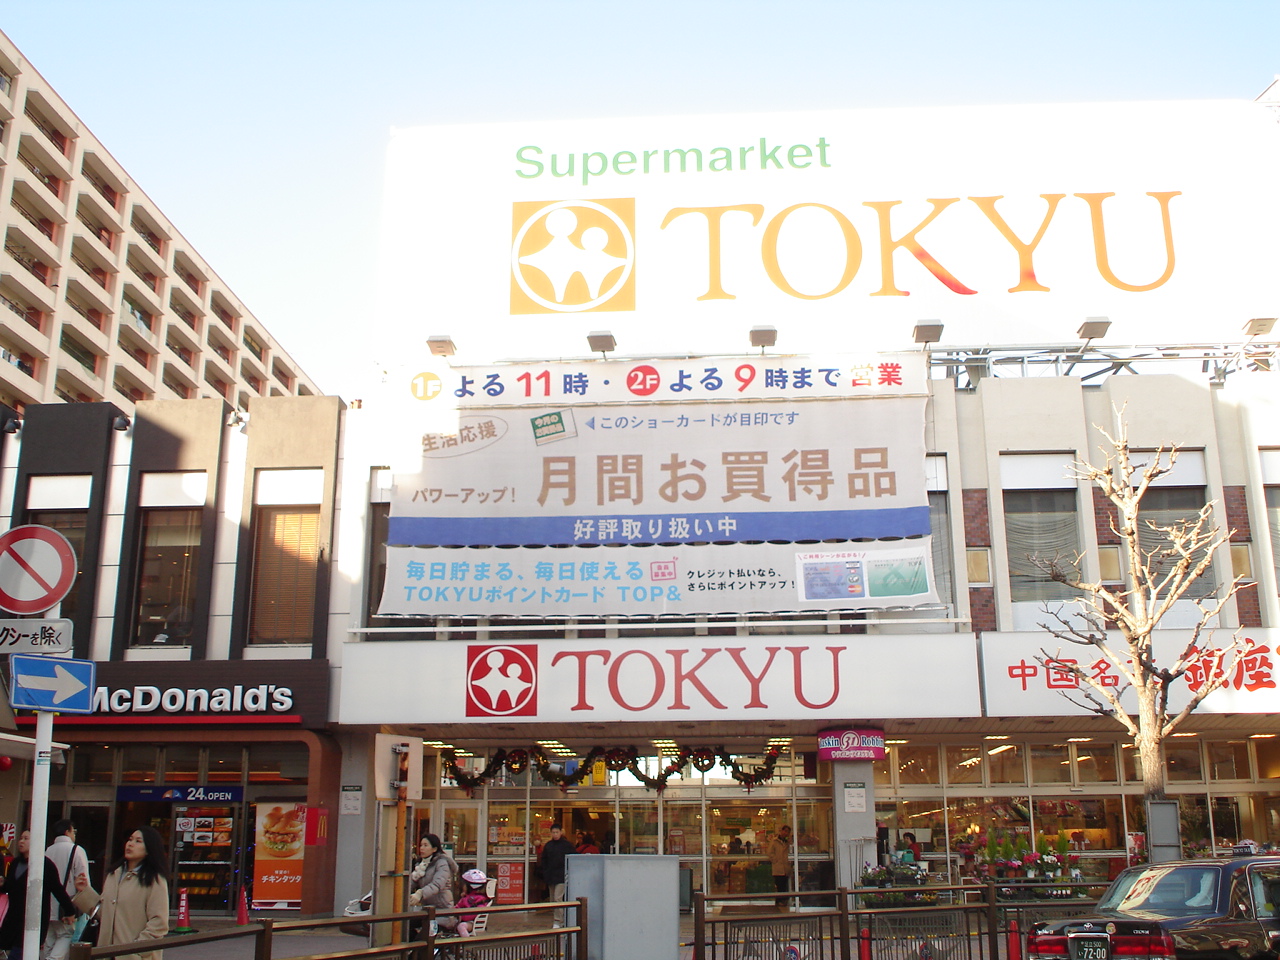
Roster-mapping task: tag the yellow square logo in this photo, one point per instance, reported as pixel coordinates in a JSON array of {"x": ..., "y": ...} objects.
[{"x": 573, "y": 256}]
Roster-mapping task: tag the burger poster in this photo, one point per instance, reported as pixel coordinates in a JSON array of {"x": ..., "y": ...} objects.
[{"x": 278, "y": 854}]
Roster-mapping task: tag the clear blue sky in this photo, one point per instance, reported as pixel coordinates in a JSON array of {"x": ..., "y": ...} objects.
[{"x": 259, "y": 127}]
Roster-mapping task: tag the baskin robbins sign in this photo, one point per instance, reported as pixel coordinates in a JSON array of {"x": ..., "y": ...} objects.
[{"x": 858, "y": 744}]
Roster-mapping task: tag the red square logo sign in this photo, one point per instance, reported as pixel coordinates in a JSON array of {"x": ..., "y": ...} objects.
[{"x": 502, "y": 680}]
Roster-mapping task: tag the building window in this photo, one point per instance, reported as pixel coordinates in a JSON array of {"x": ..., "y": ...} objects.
[
  {"x": 71, "y": 524},
  {"x": 286, "y": 562},
  {"x": 1040, "y": 524},
  {"x": 1273, "y": 521},
  {"x": 943, "y": 559},
  {"x": 167, "y": 580},
  {"x": 1166, "y": 507},
  {"x": 278, "y": 763}
]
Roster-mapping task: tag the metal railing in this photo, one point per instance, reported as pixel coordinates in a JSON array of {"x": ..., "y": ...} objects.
[
  {"x": 966, "y": 922},
  {"x": 558, "y": 943},
  {"x": 31, "y": 218},
  {"x": 53, "y": 184}
]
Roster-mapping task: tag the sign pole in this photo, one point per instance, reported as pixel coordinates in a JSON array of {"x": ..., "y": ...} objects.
[{"x": 39, "y": 816}]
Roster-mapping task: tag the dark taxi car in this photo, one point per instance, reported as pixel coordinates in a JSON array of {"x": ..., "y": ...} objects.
[{"x": 1203, "y": 909}]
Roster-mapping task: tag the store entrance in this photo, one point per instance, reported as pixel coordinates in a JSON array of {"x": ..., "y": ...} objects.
[{"x": 206, "y": 844}]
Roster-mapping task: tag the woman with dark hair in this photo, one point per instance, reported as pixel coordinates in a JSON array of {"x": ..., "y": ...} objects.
[
  {"x": 431, "y": 882},
  {"x": 15, "y": 885},
  {"x": 135, "y": 896}
]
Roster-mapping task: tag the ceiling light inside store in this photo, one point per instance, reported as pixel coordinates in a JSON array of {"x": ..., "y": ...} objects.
[
  {"x": 1000, "y": 749},
  {"x": 1079, "y": 739},
  {"x": 995, "y": 736}
]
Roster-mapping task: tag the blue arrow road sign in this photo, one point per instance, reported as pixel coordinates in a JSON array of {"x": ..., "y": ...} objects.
[{"x": 52, "y": 684}]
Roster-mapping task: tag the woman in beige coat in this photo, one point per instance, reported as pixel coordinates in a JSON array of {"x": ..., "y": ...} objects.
[{"x": 135, "y": 895}]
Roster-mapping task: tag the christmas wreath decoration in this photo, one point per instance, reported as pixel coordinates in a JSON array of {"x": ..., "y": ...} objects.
[{"x": 617, "y": 759}]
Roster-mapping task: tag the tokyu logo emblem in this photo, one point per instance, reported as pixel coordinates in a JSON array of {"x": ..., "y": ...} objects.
[
  {"x": 573, "y": 256},
  {"x": 502, "y": 681}
]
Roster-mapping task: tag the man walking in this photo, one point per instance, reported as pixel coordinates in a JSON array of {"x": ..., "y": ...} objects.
[
  {"x": 780, "y": 859},
  {"x": 551, "y": 866},
  {"x": 70, "y": 861}
]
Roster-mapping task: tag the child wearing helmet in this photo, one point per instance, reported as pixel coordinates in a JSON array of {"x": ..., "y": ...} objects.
[{"x": 474, "y": 883}]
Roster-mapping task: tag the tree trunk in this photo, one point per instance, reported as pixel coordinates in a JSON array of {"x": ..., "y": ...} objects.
[{"x": 1148, "y": 743}]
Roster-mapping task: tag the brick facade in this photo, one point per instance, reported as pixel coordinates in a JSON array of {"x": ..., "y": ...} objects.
[
  {"x": 982, "y": 608},
  {"x": 977, "y": 518},
  {"x": 1233, "y": 501},
  {"x": 1104, "y": 516}
]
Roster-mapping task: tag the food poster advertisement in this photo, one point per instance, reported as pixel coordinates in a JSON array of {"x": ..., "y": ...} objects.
[{"x": 278, "y": 852}]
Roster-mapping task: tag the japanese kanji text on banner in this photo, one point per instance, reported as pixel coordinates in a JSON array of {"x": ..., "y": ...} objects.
[{"x": 725, "y": 488}]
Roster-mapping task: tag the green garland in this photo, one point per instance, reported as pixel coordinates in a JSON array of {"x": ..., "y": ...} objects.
[{"x": 615, "y": 759}]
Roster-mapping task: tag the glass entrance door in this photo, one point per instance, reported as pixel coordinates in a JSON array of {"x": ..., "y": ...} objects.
[{"x": 459, "y": 829}]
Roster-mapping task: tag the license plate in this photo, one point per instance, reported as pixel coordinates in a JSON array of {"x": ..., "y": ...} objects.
[{"x": 1090, "y": 948}]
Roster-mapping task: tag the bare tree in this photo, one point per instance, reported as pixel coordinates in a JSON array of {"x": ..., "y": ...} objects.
[{"x": 1163, "y": 563}]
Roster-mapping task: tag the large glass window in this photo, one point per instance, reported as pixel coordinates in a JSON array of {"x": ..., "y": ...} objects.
[
  {"x": 167, "y": 581},
  {"x": 1050, "y": 763},
  {"x": 1228, "y": 759},
  {"x": 1040, "y": 524},
  {"x": 278, "y": 763},
  {"x": 71, "y": 524},
  {"x": 1182, "y": 759},
  {"x": 285, "y": 567},
  {"x": 1096, "y": 764},
  {"x": 917, "y": 764},
  {"x": 1005, "y": 762},
  {"x": 964, "y": 764},
  {"x": 1164, "y": 507}
]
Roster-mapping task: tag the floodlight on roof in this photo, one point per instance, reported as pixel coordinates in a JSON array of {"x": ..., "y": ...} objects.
[
  {"x": 764, "y": 336},
  {"x": 602, "y": 342},
  {"x": 927, "y": 331},
  {"x": 1093, "y": 328},
  {"x": 442, "y": 345},
  {"x": 1259, "y": 326}
]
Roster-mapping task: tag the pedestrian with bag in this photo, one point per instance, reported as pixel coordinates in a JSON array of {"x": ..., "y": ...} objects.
[
  {"x": 13, "y": 927},
  {"x": 135, "y": 895},
  {"x": 70, "y": 860}
]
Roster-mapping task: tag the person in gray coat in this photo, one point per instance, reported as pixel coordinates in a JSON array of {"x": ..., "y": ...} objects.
[{"x": 432, "y": 880}]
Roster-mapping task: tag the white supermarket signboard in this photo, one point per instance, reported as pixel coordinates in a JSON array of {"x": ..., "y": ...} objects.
[{"x": 843, "y": 229}]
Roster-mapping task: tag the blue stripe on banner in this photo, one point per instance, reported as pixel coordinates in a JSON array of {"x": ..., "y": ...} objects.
[{"x": 652, "y": 528}]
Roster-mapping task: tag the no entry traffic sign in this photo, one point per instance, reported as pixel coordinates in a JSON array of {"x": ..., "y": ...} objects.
[{"x": 37, "y": 568}]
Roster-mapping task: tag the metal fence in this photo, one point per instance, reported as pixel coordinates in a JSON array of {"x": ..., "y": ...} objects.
[
  {"x": 969, "y": 922},
  {"x": 528, "y": 936}
]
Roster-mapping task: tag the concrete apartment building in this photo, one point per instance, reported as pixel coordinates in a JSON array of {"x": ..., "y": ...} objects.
[{"x": 104, "y": 300}]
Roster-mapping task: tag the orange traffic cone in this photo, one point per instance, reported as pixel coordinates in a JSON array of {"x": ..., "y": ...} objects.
[{"x": 242, "y": 908}]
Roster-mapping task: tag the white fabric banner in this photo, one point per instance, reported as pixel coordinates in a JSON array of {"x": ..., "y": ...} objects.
[
  {"x": 631, "y": 580},
  {"x": 687, "y": 473}
]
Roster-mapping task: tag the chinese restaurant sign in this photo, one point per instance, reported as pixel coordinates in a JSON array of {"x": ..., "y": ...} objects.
[{"x": 1017, "y": 685}]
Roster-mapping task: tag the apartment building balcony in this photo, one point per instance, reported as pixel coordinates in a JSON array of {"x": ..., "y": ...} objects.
[
  {"x": 128, "y": 387},
  {"x": 46, "y": 165},
  {"x": 81, "y": 366},
  {"x": 33, "y": 326},
  {"x": 96, "y": 206},
  {"x": 144, "y": 299},
  {"x": 40, "y": 114},
  {"x": 29, "y": 289},
  {"x": 149, "y": 233},
  {"x": 283, "y": 375},
  {"x": 181, "y": 306},
  {"x": 194, "y": 283},
  {"x": 179, "y": 380},
  {"x": 137, "y": 328},
  {"x": 90, "y": 269},
  {"x": 88, "y": 323},
  {"x": 69, "y": 389},
  {"x": 178, "y": 340},
  {"x": 39, "y": 215},
  {"x": 137, "y": 362},
  {"x": 20, "y": 251},
  {"x": 95, "y": 228},
  {"x": 226, "y": 316},
  {"x": 108, "y": 186},
  {"x": 6, "y": 83},
  {"x": 149, "y": 272},
  {"x": 19, "y": 376}
]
